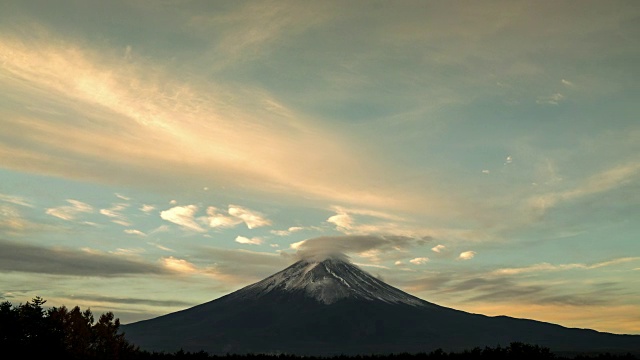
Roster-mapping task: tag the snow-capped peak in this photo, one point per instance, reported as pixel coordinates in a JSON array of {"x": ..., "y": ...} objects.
[{"x": 329, "y": 280}]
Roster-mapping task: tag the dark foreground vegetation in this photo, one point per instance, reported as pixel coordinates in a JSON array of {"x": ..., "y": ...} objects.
[{"x": 29, "y": 331}]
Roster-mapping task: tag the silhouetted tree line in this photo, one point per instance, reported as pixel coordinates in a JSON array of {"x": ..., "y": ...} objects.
[{"x": 30, "y": 331}]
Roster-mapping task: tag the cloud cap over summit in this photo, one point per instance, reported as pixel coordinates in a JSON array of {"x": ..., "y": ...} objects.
[{"x": 340, "y": 246}]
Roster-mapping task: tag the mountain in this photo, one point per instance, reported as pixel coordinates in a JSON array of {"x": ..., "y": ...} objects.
[{"x": 329, "y": 307}]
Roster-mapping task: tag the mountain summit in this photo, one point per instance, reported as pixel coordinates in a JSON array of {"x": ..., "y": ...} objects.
[
  {"x": 328, "y": 281},
  {"x": 329, "y": 306}
]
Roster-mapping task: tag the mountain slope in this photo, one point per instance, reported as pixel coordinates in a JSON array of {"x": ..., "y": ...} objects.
[
  {"x": 328, "y": 281},
  {"x": 332, "y": 307}
]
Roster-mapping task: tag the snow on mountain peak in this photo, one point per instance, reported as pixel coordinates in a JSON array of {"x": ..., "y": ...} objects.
[{"x": 329, "y": 279}]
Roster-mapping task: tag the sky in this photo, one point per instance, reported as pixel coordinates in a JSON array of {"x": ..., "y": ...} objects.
[{"x": 480, "y": 155}]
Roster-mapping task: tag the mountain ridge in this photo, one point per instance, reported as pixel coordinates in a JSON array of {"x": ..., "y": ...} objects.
[{"x": 332, "y": 307}]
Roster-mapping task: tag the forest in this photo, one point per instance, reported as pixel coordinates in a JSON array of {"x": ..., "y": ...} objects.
[{"x": 30, "y": 331}]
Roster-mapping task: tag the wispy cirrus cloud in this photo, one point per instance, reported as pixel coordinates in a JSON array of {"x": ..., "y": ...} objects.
[
  {"x": 122, "y": 197},
  {"x": 134, "y": 232},
  {"x": 116, "y": 215},
  {"x": 544, "y": 267},
  {"x": 356, "y": 221},
  {"x": 606, "y": 180},
  {"x": 11, "y": 220},
  {"x": 249, "y": 31},
  {"x": 159, "y": 112},
  {"x": 287, "y": 232},
  {"x": 553, "y": 99},
  {"x": 16, "y": 200},
  {"x": 70, "y": 212}
]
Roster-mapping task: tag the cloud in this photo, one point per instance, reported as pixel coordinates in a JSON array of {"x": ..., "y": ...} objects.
[
  {"x": 238, "y": 266},
  {"x": 467, "y": 255},
  {"x": 147, "y": 208},
  {"x": 354, "y": 221},
  {"x": 161, "y": 247},
  {"x": 128, "y": 252},
  {"x": 560, "y": 267},
  {"x": 11, "y": 220},
  {"x": 178, "y": 265},
  {"x": 500, "y": 290},
  {"x": 287, "y": 232},
  {"x": 419, "y": 260},
  {"x": 20, "y": 257},
  {"x": 16, "y": 200},
  {"x": 372, "y": 266},
  {"x": 509, "y": 292},
  {"x": 69, "y": 212},
  {"x": 132, "y": 301},
  {"x": 576, "y": 299},
  {"x": 432, "y": 282},
  {"x": 242, "y": 257},
  {"x": 134, "y": 232},
  {"x": 114, "y": 212},
  {"x": 159, "y": 110},
  {"x": 553, "y": 99},
  {"x": 536, "y": 268},
  {"x": 248, "y": 31},
  {"x": 127, "y": 52},
  {"x": 252, "y": 241},
  {"x": 123, "y": 197},
  {"x": 297, "y": 245},
  {"x": 567, "y": 83},
  {"x": 159, "y": 229},
  {"x": 237, "y": 215},
  {"x": 471, "y": 288},
  {"x": 217, "y": 220},
  {"x": 342, "y": 221},
  {"x": 438, "y": 248},
  {"x": 604, "y": 181},
  {"x": 183, "y": 216},
  {"x": 485, "y": 171},
  {"x": 252, "y": 219},
  {"x": 376, "y": 247},
  {"x": 373, "y": 255}
]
